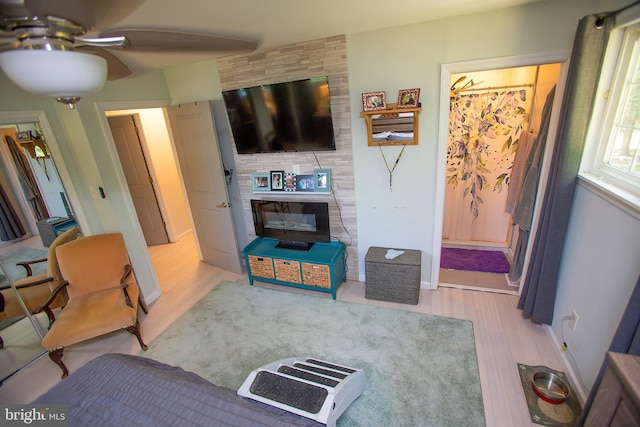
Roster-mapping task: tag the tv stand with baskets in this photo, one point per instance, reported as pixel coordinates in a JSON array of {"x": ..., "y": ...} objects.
[{"x": 320, "y": 268}]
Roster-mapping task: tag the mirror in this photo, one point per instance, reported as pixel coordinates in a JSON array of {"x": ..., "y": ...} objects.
[
  {"x": 34, "y": 209},
  {"x": 20, "y": 333}
]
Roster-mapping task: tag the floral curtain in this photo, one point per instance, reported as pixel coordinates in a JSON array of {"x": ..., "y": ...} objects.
[{"x": 484, "y": 129}]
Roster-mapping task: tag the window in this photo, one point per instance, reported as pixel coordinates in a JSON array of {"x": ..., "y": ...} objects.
[
  {"x": 621, "y": 153},
  {"x": 611, "y": 161}
]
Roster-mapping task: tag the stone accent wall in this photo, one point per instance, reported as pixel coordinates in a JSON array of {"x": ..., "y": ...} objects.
[{"x": 325, "y": 57}]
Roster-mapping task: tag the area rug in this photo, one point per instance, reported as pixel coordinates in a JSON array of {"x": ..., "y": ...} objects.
[
  {"x": 474, "y": 260},
  {"x": 421, "y": 369},
  {"x": 17, "y": 272}
]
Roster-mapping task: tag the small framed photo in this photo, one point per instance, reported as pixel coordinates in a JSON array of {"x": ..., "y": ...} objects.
[
  {"x": 290, "y": 182},
  {"x": 24, "y": 136},
  {"x": 372, "y": 101},
  {"x": 305, "y": 183},
  {"x": 261, "y": 182},
  {"x": 277, "y": 180},
  {"x": 322, "y": 180},
  {"x": 408, "y": 98}
]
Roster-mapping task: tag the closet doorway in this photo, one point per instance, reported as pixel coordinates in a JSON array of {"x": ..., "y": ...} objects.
[{"x": 493, "y": 122}]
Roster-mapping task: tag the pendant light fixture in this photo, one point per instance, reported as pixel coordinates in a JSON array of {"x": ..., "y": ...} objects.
[{"x": 51, "y": 68}]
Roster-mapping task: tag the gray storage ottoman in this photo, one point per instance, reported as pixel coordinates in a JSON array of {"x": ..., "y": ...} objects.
[{"x": 395, "y": 280}]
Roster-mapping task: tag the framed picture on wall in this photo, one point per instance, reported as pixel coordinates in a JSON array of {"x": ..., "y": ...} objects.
[
  {"x": 277, "y": 180},
  {"x": 261, "y": 182},
  {"x": 25, "y": 135},
  {"x": 408, "y": 98},
  {"x": 322, "y": 180}
]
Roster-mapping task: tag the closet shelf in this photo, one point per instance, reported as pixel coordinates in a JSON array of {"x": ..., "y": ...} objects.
[{"x": 392, "y": 126}]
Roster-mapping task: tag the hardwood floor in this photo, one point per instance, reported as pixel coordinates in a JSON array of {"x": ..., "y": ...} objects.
[{"x": 503, "y": 337}]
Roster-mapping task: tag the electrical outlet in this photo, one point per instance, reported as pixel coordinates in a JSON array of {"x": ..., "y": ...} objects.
[{"x": 573, "y": 320}]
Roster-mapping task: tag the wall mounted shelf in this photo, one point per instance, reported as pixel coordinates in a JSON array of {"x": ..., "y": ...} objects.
[
  {"x": 293, "y": 193},
  {"x": 392, "y": 121}
]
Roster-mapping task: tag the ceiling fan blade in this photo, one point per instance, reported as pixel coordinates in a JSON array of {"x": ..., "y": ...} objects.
[
  {"x": 147, "y": 40},
  {"x": 116, "y": 69},
  {"x": 13, "y": 8},
  {"x": 91, "y": 14}
]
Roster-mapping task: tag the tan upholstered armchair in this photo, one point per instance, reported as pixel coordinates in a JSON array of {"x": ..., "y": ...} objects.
[
  {"x": 103, "y": 294},
  {"x": 35, "y": 289}
]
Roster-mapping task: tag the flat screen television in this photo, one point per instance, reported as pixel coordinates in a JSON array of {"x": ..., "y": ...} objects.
[
  {"x": 290, "y": 116},
  {"x": 297, "y": 225}
]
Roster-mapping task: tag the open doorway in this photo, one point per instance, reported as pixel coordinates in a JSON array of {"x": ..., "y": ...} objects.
[
  {"x": 144, "y": 148},
  {"x": 494, "y": 113},
  {"x": 147, "y": 154},
  {"x": 183, "y": 158}
]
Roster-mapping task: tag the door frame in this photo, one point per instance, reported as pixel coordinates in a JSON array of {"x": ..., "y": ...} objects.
[
  {"x": 128, "y": 212},
  {"x": 447, "y": 70}
]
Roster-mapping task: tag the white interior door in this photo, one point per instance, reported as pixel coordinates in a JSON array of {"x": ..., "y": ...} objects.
[
  {"x": 136, "y": 171},
  {"x": 194, "y": 136}
]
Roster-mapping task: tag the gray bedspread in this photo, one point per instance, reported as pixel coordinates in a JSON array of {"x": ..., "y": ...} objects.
[{"x": 125, "y": 390}]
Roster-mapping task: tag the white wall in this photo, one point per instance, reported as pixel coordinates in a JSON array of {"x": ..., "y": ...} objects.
[{"x": 600, "y": 266}]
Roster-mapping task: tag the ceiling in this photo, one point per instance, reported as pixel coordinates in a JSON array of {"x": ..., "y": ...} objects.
[{"x": 279, "y": 22}]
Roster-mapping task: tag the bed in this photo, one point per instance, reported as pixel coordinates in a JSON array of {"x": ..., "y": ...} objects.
[{"x": 120, "y": 389}]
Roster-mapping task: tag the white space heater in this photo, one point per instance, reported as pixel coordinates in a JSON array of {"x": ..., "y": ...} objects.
[{"x": 305, "y": 386}]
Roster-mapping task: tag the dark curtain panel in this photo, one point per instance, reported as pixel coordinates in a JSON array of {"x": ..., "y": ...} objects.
[
  {"x": 626, "y": 340},
  {"x": 10, "y": 226},
  {"x": 539, "y": 290},
  {"x": 27, "y": 180}
]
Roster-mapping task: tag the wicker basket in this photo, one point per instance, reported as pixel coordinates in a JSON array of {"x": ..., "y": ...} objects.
[
  {"x": 395, "y": 280},
  {"x": 287, "y": 270},
  {"x": 261, "y": 266},
  {"x": 316, "y": 275}
]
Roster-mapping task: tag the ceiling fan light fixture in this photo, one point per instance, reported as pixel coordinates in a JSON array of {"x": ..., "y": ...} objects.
[{"x": 65, "y": 76}]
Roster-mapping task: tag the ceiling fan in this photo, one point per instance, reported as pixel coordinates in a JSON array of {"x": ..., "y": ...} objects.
[{"x": 45, "y": 46}]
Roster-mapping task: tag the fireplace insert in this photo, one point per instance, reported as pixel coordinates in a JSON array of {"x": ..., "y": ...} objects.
[{"x": 297, "y": 225}]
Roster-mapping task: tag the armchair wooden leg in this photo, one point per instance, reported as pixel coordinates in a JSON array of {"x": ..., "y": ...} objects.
[
  {"x": 56, "y": 356},
  {"x": 50, "y": 315},
  {"x": 1, "y": 343},
  {"x": 143, "y": 305},
  {"x": 135, "y": 330}
]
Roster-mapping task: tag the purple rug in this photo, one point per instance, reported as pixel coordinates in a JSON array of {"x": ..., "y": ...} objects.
[{"x": 474, "y": 260}]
